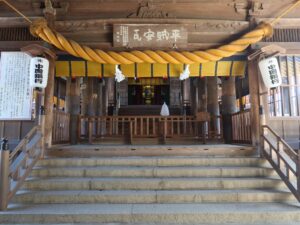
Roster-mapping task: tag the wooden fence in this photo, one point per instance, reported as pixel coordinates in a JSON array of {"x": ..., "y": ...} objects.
[
  {"x": 61, "y": 127},
  {"x": 129, "y": 127},
  {"x": 241, "y": 127}
]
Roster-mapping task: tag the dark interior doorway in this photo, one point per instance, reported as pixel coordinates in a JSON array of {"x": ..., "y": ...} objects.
[{"x": 148, "y": 94}]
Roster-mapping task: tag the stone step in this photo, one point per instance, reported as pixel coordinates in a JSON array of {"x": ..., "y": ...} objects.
[
  {"x": 205, "y": 213},
  {"x": 122, "y": 171},
  {"x": 143, "y": 149},
  {"x": 262, "y": 223},
  {"x": 152, "y": 161},
  {"x": 151, "y": 183},
  {"x": 127, "y": 196}
]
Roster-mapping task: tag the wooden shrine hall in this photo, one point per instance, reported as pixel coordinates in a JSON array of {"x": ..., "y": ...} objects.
[
  {"x": 131, "y": 108},
  {"x": 86, "y": 104},
  {"x": 195, "y": 89}
]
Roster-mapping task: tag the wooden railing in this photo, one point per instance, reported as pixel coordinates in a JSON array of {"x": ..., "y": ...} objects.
[
  {"x": 61, "y": 127},
  {"x": 130, "y": 127},
  {"x": 16, "y": 165},
  {"x": 241, "y": 127},
  {"x": 283, "y": 158}
]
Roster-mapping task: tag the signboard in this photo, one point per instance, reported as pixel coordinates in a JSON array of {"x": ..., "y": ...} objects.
[
  {"x": 150, "y": 35},
  {"x": 15, "y": 91},
  {"x": 270, "y": 72}
]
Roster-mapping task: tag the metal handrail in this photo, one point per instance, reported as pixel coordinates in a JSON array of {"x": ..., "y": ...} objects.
[
  {"x": 274, "y": 153},
  {"x": 17, "y": 164}
]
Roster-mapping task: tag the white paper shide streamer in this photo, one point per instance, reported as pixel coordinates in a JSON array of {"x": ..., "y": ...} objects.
[
  {"x": 119, "y": 76},
  {"x": 39, "y": 69},
  {"x": 270, "y": 72},
  {"x": 186, "y": 73},
  {"x": 164, "y": 110}
]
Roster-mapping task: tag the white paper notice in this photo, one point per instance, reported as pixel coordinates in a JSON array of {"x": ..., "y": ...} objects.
[{"x": 15, "y": 92}]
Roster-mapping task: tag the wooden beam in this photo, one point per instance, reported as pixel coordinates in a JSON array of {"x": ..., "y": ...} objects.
[{"x": 286, "y": 23}]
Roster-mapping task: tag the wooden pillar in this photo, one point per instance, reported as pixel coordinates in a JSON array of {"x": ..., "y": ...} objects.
[
  {"x": 254, "y": 100},
  {"x": 202, "y": 94},
  {"x": 49, "y": 94},
  {"x": 228, "y": 96},
  {"x": 228, "y": 106},
  {"x": 68, "y": 91},
  {"x": 37, "y": 50},
  {"x": 84, "y": 94},
  {"x": 92, "y": 96},
  {"x": 186, "y": 96},
  {"x": 111, "y": 95},
  {"x": 194, "y": 96},
  {"x": 212, "y": 96},
  {"x": 100, "y": 99},
  {"x": 101, "y": 106},
  {"x": 88, "y": 107},
  {"x": 213, "y": 105},
  {"x": 104, "y": 98},
  {"x": 73, "y": 107},
  {"x": 50, "y": 15}
]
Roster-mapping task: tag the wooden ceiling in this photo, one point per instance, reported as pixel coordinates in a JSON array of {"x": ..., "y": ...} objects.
[
  {"x": 209, "y": 22},
  {"x": 181, "y": 9}
]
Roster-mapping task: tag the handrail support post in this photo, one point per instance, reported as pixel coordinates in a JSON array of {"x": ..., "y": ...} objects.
[
  {"x": 4, "y": 175},
  {"x": 130, "y": 132}
]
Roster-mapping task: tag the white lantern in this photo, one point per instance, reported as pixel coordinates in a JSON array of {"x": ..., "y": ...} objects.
[
  {"x": 270, "y": 72},
  {"x": 39, "y": 69}
]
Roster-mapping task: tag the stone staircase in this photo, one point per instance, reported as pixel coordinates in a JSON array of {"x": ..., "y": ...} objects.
[{"x": 167, "y": 189}]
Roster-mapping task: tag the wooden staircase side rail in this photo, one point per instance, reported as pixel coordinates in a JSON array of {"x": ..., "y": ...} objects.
[
  {"x": 16, "y": 165},
  {"x": 283, "y": 159}
]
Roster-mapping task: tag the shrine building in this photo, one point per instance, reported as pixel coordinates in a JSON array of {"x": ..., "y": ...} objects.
[{"x": 150, "y": 112}]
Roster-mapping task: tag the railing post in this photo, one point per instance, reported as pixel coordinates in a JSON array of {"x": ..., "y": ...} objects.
[
  {"x": 165, "y": 131},
  {"x": 42, "y": 129},
  {"x": 130, "y": 132},
  {"x": 261, "y": 144},
  {"x": 4, "y": 174}
]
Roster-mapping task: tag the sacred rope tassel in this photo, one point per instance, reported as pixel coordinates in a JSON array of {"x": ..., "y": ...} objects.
[{"x": 40, "y": 29}]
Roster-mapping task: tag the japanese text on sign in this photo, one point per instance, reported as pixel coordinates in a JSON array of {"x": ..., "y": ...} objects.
[
  {"x": 15, "y": 91},
  {"x": 39, "y": 68},
  {"x": 273, "y": 74},
  {"x": 149, "y": 35}
]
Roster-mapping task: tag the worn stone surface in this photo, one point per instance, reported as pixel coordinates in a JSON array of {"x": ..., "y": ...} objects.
[
  {"x": 149, "y": 190},
  {"x": 245, "y": 213}
]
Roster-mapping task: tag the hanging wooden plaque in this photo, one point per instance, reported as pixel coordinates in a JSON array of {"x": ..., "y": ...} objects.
[{"x": 150, "y": 35}]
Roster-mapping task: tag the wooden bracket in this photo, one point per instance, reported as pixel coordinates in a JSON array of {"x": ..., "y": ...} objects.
[
  {"x": 36, "y": 49},
  {"x": 269, "y": 50}
]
